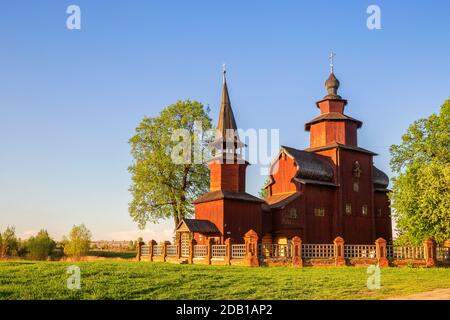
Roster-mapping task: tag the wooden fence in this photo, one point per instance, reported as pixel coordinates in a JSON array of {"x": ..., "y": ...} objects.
[
  {"x": 317, "y": 251},
  {"x": 253, "y": 253},
  {"x": 402, "y": 253}
]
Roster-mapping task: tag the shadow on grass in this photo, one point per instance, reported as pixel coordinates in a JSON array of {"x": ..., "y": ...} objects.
[{"x": 113, "y": 254}]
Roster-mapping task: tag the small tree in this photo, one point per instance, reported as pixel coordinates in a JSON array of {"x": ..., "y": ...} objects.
[
  {"x": 8, "y": 242},
  {"x": 264, "y": 192},
  {"x": 78, "y": 243},
  {"x": 41, "y": 246}
]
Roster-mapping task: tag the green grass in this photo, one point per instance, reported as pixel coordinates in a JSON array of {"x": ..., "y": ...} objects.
[{"x": 144, "y": 280}]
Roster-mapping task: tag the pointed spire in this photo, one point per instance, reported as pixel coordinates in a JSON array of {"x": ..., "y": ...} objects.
[
  {"x": 227, "y": 144},
  {"x": 227, "y": 124}
]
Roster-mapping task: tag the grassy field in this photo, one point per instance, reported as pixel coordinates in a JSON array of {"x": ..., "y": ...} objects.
[{"x": 143, "y": 280}]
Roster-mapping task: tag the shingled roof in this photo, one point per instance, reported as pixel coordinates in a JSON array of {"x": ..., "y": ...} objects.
[
  {"x": 196, "y": 225},
  {"x": 220, "y": 194},
  {"x": 380, "y": 179},
  {"x": 332, "y": 116},
  {"x": 341, "y": 146},
  {"x": 311, "y": 166},
  {"x": 226, "y": 127},
  {"x": 277, "y": 201}
]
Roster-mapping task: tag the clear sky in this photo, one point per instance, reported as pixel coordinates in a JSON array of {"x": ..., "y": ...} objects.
[{"x": 70, "y": 99}]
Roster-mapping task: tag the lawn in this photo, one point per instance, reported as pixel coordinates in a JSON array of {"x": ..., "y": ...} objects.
[{"x": 144, "y": 280}]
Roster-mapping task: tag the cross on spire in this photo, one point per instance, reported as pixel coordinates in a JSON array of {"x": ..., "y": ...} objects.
[
  {"x": 224, "y": 71},
  {"x": 332, "y": 55}
]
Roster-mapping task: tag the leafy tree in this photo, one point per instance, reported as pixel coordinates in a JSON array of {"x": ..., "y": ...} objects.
[
  {"x": 421, "y": 191},
  {"x": 78, "y": 243},
  {"x": 41, "y": 246},
  {"x": 9, "y": 243},
  {"x": 161, "y": 187},
  {"x": 22, "y": 249},
  {"x": 263, "y": 192}
]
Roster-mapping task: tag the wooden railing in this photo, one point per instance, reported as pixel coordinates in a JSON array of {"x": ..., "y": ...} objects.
[
  {"x": 157, "y": 250},
  {"x": 443, "y": 254},
  {"x": 275, "y": 250},
  {"x": 145, "y": 250},
  {"x": 219, "y": 250},
  {"x": 254, "y": 253},
  {"x": 171, "y": 250},
  {"x": 403, "y": 253},
  {"x": 200, "y": 251},
  {"x": 360, "y": 251},
  {"x": 238, "y": 251},
  {"x": 318, "y": 251}
]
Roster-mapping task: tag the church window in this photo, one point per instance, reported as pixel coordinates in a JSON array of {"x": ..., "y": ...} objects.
[
  {"x": 289, "y": 216},
  {"x": 356, "y": 186},
  {"x": 365, "y": 210},
  {"x": 293, "y": 213},
  {"x": 319, "y": 212},
  {"x": 348, "y": 209}
]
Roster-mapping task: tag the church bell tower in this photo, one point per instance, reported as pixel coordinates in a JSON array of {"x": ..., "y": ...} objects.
[
  {"x": 333, "y": 126},
  {"x": 232, "y": 210},
  {"x": 227, "y": 167}
]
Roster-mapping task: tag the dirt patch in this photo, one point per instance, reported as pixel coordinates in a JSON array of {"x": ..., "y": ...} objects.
[{"x": 438, "y": 294}]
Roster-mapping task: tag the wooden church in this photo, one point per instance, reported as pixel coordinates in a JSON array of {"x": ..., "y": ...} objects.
[{"x": 328, "y": 190}]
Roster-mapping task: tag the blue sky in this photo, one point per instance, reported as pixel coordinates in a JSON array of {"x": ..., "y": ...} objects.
[{"x": 70, "y": 99}]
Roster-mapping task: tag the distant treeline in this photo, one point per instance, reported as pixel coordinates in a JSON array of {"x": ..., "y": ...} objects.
[{"x": 43, "y": 247}]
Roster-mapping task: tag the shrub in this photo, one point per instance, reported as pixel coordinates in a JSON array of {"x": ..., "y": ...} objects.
[
  {"x": 78, "y": 243},
  {"x": 41, "y": 246}
]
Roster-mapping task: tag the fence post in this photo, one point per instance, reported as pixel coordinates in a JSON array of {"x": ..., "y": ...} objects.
[
  {"x": 151, "y": 243},
  {"x": 178, "y": 242},
  {"x": 192, "y": 243},
  {"x": 251, "y": 248},
  {"x": 380, "y": 244},
  {"x": 339, "y": 251},
  {"x": 208, "y": 251},
  {"x": 139, "y": 250},
  {"x": 228, "y": 251},
  {"x": 429, "y": 247},
  {"x": 297, "y": 260},
  {"x": 164, "y": 250}
]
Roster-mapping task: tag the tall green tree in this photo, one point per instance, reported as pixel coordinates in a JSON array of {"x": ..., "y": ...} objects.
[
  {"x": 421, "y": 190},
  {"x": 78, "y": 243},
  {"x": 41, "y": 246},
  {"x": 164, "y": 187}
]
